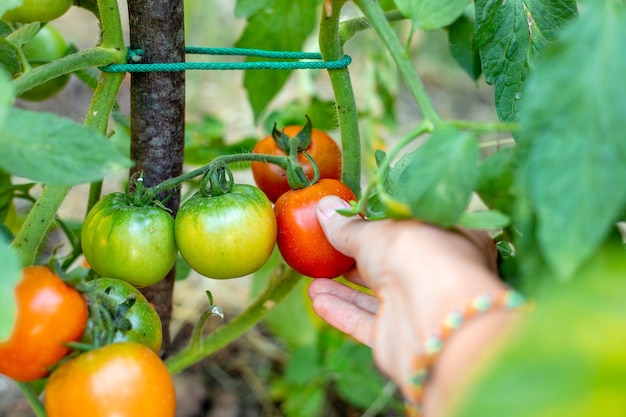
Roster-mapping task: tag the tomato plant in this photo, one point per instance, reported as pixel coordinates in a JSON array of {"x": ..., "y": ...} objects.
[
  {"x": 272, "y": 179},
  {"x": 38, "y": 11},
  {"x": 229, "y": 235},
  {"x": 120, "y": 379},
  {"x": 50, "y": 314},
  {"x": 133, "y": 243},
  {"x": 46, "y": 46},
  {"x": 126, "y": 313},
  {"x": 301, "y": 240}
]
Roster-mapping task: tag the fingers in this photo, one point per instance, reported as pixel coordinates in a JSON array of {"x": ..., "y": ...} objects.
[
  {"x": 344, "y": 309},
  {"x": 341, "y": 231}
]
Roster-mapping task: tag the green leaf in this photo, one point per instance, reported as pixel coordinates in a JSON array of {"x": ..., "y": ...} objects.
[
  {"x": 11, "y": 274},
  {"x": 357, "y": 379},
  {"x": 439, "y": 177},
  {"x": 5, "y": 29},
  {"x": 6, "y": 96},
  {"x": 245, "y": 8},
  {"x": 461, "y": 40},
  {"x": 322, "y": 114},
  {"x": 23, "y": 34},
  {"x": 301, "y": 328},
  {"x": 9, "y": 5},
  {"x": 204, "y": 141},
  {"x": 488, "y": 219},
  {"x": 572, "y": 126},
  {"x": 510, "y": 35},
  {"x": 567, "y": 358},
  {"x": 283, "y": 27},
  {"x": 429, "y": 14},
  {"x": 496, "y": 176},
  {"x": 54, "y": 150},
  {"x": 9, "y": 58},
  {"x": 307, "y": 401}
]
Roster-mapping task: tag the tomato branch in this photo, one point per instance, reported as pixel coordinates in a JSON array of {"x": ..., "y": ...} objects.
[
  {"x": 93, "y": 57},
  {"x": 331, "y": 49},
  {"x": 282, "y": 161},
  {"x": 281, "y": 284}
]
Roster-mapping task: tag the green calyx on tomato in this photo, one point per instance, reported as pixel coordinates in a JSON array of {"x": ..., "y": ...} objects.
[
  {"x": 119, "y": 312},
  {"x": 308, "y": 143},
  {"x": 301, "y": 240},
  {"x": 120, "y": 379},
  {"x": 46, "y": 46},
  {"x": 228, "y": 235},
  {"x": 128, "y": 242},
  {"x": 38, "y": 11},
  {"x": 50, "y": 314}
]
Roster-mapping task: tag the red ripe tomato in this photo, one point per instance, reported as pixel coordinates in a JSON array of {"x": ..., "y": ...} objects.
[
  {"x": 50, "y": 314},
  {"x": 124, "y": 379},
  {"x": 272, "y": 179},
  {"x": 301, "y": 240}
]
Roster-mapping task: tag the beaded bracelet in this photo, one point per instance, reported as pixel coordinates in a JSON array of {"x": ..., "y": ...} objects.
[{"x": 423, "y": 364}]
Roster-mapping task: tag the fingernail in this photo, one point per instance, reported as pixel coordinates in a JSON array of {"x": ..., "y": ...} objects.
[{"x": 329, "y": 205}]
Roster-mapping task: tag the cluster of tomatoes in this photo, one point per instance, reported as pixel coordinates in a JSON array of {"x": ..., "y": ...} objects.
[
  {"x": 228, "y": 234},
  {"x": 105, "y": 326},
  {"x": 112, "y": 379}
]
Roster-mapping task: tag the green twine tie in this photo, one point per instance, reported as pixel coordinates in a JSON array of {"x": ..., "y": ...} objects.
[{"x": 316, "y": 61}]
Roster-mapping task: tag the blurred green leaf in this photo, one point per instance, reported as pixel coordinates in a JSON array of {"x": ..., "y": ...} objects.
[
  {"x": 357, "y": 379},
  {"x": 322, "y": 114},
  {"x": 9, "y": 59},
  {"x": 10, "y": 275},
  {"x": 510, "y": 35},
  {"x": 54, "y": 150},
  {"x": 308, "y": 401},
  {"x": 182, "y": 269},
  {"x": 461, "y": 44},
  {"x": 439, "y": 177},
  {"x": 292, "y": 321},
  {"x": 488, "y": 219},
  {"x": 6, "y": 96},
  {"x": 567, "y": 358},
  {"x": 428, "y": 14},
  {"x": 571, "y": 130},
  {"x": 284, "y": 27},
  {"x": 204, "y": 141},
  {"x": 23, "y": 34},
  {"x": 496, "y": 176},
  {"x": 245, "y": 8}
]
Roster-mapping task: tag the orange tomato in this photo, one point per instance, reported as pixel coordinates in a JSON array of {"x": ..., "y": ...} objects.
[
  {"x": 124, "y": 379},
  {"x": 50, "y": 314}
]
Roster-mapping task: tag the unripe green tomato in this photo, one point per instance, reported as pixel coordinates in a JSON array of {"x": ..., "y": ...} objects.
[
  {"x": 226, "y": 236},
  {"x": 38, "y": 11},
  {"x": 47, "y": 45},
  {"x": 145, "y": 323},
  {"x": 127, "y": 242}
]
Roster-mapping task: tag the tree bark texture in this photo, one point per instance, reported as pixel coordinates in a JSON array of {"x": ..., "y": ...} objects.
[{"x": 158, "y": 115}]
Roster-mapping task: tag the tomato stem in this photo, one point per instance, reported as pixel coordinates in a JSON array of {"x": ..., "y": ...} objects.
[
  {"x": 32, "y": 399},
  {"x": 377, "y": 19},
  {"x": 281, "y": 284},
  {"x": 332, "y": 49}
]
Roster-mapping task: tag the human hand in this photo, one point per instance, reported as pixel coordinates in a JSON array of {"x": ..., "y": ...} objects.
[{"x": 417, "y": 272}]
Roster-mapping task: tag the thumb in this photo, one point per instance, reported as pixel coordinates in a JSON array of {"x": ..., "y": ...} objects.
[{"x": 341, "y": 231}]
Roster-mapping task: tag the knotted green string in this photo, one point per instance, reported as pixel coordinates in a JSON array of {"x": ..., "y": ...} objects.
[{"x": 317, "y": 62}]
